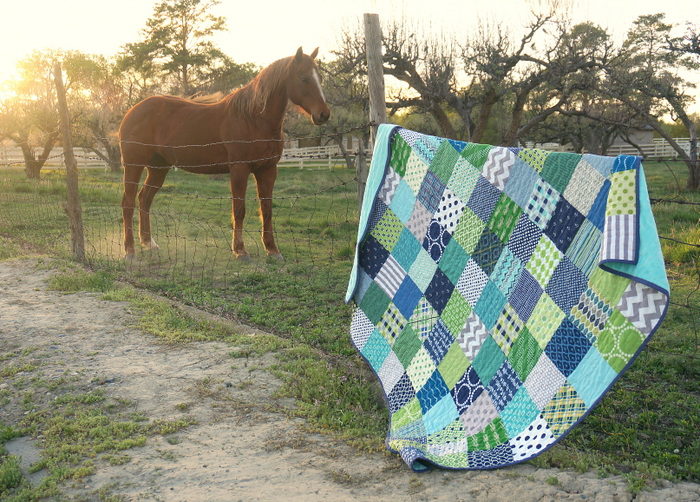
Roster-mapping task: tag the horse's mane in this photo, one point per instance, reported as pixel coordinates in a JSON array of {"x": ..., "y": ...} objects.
[
  {"x": 251, "y": 99},
  {"x": 209, "y": 99}
]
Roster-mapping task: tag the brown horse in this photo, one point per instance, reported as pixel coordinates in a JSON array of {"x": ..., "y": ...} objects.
[{"x": 239, "y": 134}]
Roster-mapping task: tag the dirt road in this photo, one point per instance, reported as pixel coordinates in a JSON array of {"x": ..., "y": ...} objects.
[{"x": 238, "y": 448}]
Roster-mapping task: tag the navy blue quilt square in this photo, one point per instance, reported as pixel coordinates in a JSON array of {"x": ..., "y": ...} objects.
[
  {"x": 495, "y": 457},
  {"x": 372, "y": 256},
  {"x": 401, "y": 394},
  {"x": 524, "y": 238},
  {"x": 564, "y": 224},
  {"x": 436, "y": 240},
  {"x": 483, "y": 199},
  {"x": 407, "y": 297},
  {"x": 525, "y": 295},
  {"x": 439, "y": 291},
  {"x": 566, "y": 285},
  {"x": 466, "y": 390},
  {"x": 487, "y": 251},
  {"x": 503, "y": 386},
  {"x": 438, "y": 342},
  {"x": 376, "y": 214},
  {"x": 430, "y": 192},
  {"x": 596, "y": 214},
  {"x": 567, "y": 347},
  {"x": 433, "y": 390}
]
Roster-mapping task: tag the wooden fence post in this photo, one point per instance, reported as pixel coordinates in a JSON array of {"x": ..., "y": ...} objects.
[
  {"x": 377, "y": 100},
  {"x": 72, "y": 207}
]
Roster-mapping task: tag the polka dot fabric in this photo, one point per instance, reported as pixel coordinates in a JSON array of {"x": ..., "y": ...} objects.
[{"x": 499, "y": 296}]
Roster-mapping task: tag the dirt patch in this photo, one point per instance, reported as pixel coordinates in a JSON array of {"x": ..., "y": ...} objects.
[{"x": 242, "y": 446}]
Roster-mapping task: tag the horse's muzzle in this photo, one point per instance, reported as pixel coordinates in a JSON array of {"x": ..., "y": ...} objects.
[{"x": 322, "y": 117}]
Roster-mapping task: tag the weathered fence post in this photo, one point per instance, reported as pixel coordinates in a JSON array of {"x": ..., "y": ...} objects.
[
  {"x": 377, "y": 101},
  {"x": 72, "y": 207}
]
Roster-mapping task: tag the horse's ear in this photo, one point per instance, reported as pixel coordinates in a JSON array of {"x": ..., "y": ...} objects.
[
  {"x": 299, "y": 54},
  {"x": 314, "y": 53}
]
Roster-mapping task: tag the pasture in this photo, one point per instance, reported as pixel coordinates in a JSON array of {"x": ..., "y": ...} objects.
[{"x": 645, "y": 428}]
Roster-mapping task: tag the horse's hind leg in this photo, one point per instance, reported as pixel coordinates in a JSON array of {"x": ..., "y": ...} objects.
[
  {"x": 132, "y": 175},
  {"x": 265, "y": 179},
  {"x": 239, "y": 183},
  {"x": 154, "y": 181}
]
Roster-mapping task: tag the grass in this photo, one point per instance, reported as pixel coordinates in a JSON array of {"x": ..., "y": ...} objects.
[{"x": 645, "y": 428}]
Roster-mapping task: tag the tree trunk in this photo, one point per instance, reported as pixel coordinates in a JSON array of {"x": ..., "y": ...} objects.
[{"x": 484, "y": 114}]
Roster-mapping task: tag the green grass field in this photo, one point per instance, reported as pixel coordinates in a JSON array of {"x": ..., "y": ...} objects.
[{"x": 645, "y": 428}]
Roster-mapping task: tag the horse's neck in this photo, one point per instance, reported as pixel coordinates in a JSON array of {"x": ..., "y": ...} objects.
[{"x": 272, "y": 116}]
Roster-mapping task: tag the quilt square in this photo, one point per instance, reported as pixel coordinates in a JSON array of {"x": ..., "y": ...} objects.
[
  {"x": 406, "y": 249},
  {"x": 403, "y": 202},
  {"x": 424, "y": 318},
  {"x": 490, "y": 304},
  {"x": 521, "y": 183},
  {"x": 567, "y": 347},
  {"x": 488, "y": 361},
  {"x": 416, "y": 170},
  {"x": 544, "y": 381},
  {"x": 584, "y": 186},
  {"x": 532, "y": 440},
  {"x": 376, "y": 350},
  {"x": 468, "y": 230},
  {"x": 390, "y": 373},
  {"x": 534, "y": 157},
  {"x": 407, "y": 297},
  {"x": 391, "y": 324},
  {"x": 542, "y": 204},
  {"x": 566, "y": 285},
  {"x": 374, "y": 303},
  {"x": 525, "y": 295},
  {"x": 406, "y": 345},
  {"x": 489, "y": 438},
  {"x": 391, "y": 181},
  {"x": 440, "y": 415},
  {"x": 478, "y": 414},
  {"x": 418, "y": 223},
  {"x": 558, "y": 169},
  {"x": 524, "y": 238},
  {"x": 438, "y": 342},
  {"x": 584, "y": 249},
  {"x": 463, "y": 179},
  {"x": 472, "y": 282},
  {"x": 436, "y": 240},
  {"x": 507, "y": 329},
  {"x": 390, "y": 276},
  {"x": 420, "y": 369},
  {"x": 400, "y": 151},
  {"x": 618, "y": 341},
  {"x": 504, "y": 218},
  {"x": 503, "y": 386},
  {"x": 507, "y": 272},
  {"x": 372, "y": 256},
  {"x": 422, "y": 270},
  {"x": 453, "y": 261},
  {"x": 444, "y": 161},
  {"x": 432, "y": 391},
  {"x": 524, "y": 354},
  {"x": 439, "y": 291},
  {"x": 402, "y": 393},
  {"x": 430, "y": 192},
  {"x": 466, "y": 390},
  {"x": 453, "y": 366},
  {"x": 497, "y": 167},
  {"x": 596, "y": 214},
  {"x": 498, "y": 455},
  {"x": 487, "y": 251},
  {"x": 483, "y": 199},
  {"x": 545, "y": 319},
  {"x": 564, "y": 410},
  {"x": 450, "y": 210},
  {"x": 563, "y": 225},
  {"x": 476, "y": 154},
  {"x": 472, "y": 336},
  {"x": 590, "y": 314},
  {"x": 544, "y": 260},
  {"x": 456, "y": 312},
  {"x": 592, "y": 377}
]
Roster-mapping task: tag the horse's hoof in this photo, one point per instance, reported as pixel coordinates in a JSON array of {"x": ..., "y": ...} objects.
[
  {"x": 129, "y": 257},
  {"x": 243, "y": 257},
  {"x": 150, "y": 245}
]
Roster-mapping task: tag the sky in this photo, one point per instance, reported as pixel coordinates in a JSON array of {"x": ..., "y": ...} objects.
[{"x": 262, "y": 31}]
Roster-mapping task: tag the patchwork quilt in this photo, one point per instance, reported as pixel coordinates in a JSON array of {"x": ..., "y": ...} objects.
[{"x": 499, "y": 292}]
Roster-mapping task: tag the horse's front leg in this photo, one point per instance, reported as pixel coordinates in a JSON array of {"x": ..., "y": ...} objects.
[
  {"x": 239, "y": 183},
  {"x": 265, "y": 180}
]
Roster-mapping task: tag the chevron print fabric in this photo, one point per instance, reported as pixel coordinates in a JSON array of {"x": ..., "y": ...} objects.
[{"x": 499, "y": 293}]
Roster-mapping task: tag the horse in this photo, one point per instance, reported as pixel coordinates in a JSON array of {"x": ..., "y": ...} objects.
[{"x": 239, "y": 134}]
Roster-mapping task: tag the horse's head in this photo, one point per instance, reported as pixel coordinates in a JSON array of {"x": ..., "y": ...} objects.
[{"x": 304, "y": 87}]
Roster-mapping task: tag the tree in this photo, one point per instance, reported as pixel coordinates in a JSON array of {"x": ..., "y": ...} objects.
[
  {"x": 29, "y": 118},
  {"x": 177, "y": 43}
]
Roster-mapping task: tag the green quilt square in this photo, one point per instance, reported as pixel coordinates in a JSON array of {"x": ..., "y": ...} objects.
[
  {"x": 453, "y": 260},
  {"x": 534, "y": 157},
  {"x": 558, "y": 169},
  {"x": 619, "y": 341},
  {"x": 388, "y": 229},
  {"x": 456, "y": 312},
  {"x": 491, "y": 436},
  {"x": 444, "y": 161},
  {"x": 545, "y": 320},
  {"x": 544, "y": 260},
  {"x": 608, "y": 286},
  {"x": 488, "y": 360},
  {"x": 622, "y": 198},
  {"x": 406, "y": 345},
  {"x": 400, "y": 150},
  {"x": 476, "y": 154},
  {"x": 504, "y": 217},
  {"x": 468, "y": 231},
  {"x": 374, "y": 303},
  {"x": 463, "y": 179},
  {"x": 408, "y": 414},
  {"x": 453, "y": 366},
  {"x": 524, "y": 354},
  {"x": 422, "y": 270}
]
